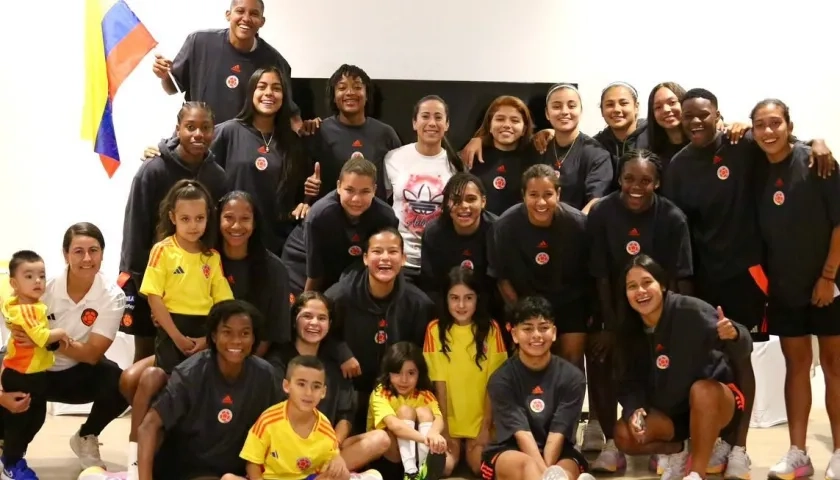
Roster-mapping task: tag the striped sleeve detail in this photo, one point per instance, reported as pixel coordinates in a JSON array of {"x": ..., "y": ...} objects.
[
  {"x": 268, "y": 418},
  {"x": 157, "y": 253},
  {"x": 430, "y": 342},
  {"x": 497, "y": 337}
]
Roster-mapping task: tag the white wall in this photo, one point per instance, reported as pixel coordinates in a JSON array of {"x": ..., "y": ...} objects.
[{"x": 742, "y": 50}]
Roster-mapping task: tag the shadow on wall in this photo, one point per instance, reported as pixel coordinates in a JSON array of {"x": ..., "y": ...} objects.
[{"x": 393, "y": 102}]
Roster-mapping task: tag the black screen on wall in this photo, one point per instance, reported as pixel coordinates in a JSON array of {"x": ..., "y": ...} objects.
[{"x": 393, "y": 102}]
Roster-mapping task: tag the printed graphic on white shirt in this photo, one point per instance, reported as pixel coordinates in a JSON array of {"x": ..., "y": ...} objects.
[{"x": 422, "y": 199}]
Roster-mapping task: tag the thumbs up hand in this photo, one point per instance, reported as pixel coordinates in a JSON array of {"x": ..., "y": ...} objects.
[
  {"x": 312, "y": 186},
  {"x": 726, "y": 330}
]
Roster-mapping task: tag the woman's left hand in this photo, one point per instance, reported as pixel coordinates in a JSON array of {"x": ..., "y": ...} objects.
[
  {"x": 199, "y": 344},
  {"x": 436, "y": 443},
  {"x": 823, "y": 293},
  {"x": 823, "y": 157}
]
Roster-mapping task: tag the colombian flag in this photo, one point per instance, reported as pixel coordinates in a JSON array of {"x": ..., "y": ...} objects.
[{"x": 115, "y": 42}]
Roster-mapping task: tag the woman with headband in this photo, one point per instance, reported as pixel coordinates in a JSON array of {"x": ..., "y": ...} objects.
[{"x": 583, "y": 166}]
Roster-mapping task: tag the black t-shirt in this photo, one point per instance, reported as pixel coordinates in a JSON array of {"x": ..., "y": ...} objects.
[
  {"x": 619, "y": 234},
  {"x": 327, "y": 243},
  {"x": 339, "y": 402},
  {"x": 547, "y": 261},
  {"x": 209, "y": 69},
  {"x": 540, "y": 402},
  {"x": 442, "y": 249},
  {"x": 797, "y": 211},
  {"x": 267, "y": 290},
  {"x": 209, "y": 416},
  {"x": 334, "y": 143},
  {"x": 240, "y": 150},
  {"x": 714, "y": 187},
  {"x": 584, "y": 168},
  {"x": 501, "y": 174}
]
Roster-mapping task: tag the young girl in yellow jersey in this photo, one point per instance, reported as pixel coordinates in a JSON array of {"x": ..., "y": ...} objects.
[
  {"x": 463, "y": 348},
  {"x": 182, "y": 282},
  {"x": 404, "y": 404}
]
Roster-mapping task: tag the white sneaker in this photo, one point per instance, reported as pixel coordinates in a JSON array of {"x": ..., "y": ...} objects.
[
  {"x": 738, "y": 465},
  {"x": 555, "y": 473},
  {"x": 719, "y": 458},
  {"x": 610, "y": 460},
  {"x": 832, "y": 472},
  {"x": 693, "y": 476},
  {"x": 87, "y": 449},
  {"x": 795, "y": 464},
  {"x": 593, "y": 437},
  {"x": 675, "y": 466}
]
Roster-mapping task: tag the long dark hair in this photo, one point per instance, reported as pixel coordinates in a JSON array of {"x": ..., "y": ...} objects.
[
  {"x": 187, "y": 189},
  {"x": 393, "y": 360},
  {"x": 657, "y": 136},
  {"x": 454, "y": 159},
  {"x": 454, "y": 192},
  {"x": 259, "y": 294},
  {"x": 292, "y": 169},
  {"x": 633, "y": 344},
  {"x": 481, "y": 320}
]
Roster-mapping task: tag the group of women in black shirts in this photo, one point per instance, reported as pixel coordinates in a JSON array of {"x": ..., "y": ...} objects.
[{"x": 617, "y": 232}]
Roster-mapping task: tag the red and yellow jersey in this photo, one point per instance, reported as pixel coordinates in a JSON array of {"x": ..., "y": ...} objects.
[
  {"x": 188, "y": 283},
  {"x": 32, "y": 318},
  {"x": 466, "y": 383},
  {"x": 284, "y": 455},
  {"x": 383, "y": 404}
]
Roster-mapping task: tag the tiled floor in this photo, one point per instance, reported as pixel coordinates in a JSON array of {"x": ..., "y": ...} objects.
[{"x": 51, "y": 457}]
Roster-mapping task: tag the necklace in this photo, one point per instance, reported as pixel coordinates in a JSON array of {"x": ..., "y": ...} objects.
[
  {"x": 558, "y": 162},
  {"x": 267, "y": 143}
]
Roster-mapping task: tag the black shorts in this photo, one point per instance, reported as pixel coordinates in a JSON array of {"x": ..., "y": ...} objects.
[
  {"x": 137, "y": 318},
  {"x": 493, "y": 452},
  {"x": 682, "y": 422},
  {"x": 167, "y": 354},
  {"x": 572, "y": 317},
  {"x": 742, "y": 300},
  {"x": 800, "y": 321}
]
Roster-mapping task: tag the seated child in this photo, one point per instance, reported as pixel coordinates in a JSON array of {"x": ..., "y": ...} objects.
[
  {"x": 536, "y": 398},
  {"x": 293, "y": 440},
  {"x": 25, "y": 366},
  {"x": 403, "y": 404}
]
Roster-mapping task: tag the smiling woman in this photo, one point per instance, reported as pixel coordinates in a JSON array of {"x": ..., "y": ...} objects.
[{"x": 89, "y": 308}]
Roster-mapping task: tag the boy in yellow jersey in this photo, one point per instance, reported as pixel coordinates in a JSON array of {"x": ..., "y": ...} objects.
[
  {"x": 25, "y": 366},
  {"x": 293, "y": 440}
]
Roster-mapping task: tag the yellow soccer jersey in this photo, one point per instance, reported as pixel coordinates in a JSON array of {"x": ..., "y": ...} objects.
[
  {"x": 466, "y": 384},
  {"x": 188, "y": 283},
  {"x": 384, "y": 403},
  {"x": 33, "y": 319},
  {"x": 284, "y": 455}
]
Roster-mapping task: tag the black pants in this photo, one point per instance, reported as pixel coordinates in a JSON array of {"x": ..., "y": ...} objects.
[
  {"x": 80, "y": 384},
  {"x": 20, "y": 428}
]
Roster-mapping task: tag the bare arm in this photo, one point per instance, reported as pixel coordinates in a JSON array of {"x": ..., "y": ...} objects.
[
  {"x": 90, "y": 352},
  {"x": 528, "y": 446},
  {"x": 56, "y": 334},
  {"x": 401, "y": 430},
  {"x": 147, "y": 443},
  {"x": 508, "y": 293},
  {"x": 163, "y": 318},
  {"x": 832, "y": 260},
  {"x": 254, "y": 471},
  {"x": 553, "y": 448}
]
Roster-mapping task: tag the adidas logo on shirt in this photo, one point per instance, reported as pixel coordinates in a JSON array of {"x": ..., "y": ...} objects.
[{"x": 179, "y": 270}]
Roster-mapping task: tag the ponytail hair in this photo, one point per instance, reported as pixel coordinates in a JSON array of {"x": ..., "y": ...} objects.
[{"x": 451, "y": 155}]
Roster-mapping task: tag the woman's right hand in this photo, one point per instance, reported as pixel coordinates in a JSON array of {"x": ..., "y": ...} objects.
[
  {"x": 471, "y": 152},
  {"x": 15, "y": 402},
  {"x": 20, "y": 337}
]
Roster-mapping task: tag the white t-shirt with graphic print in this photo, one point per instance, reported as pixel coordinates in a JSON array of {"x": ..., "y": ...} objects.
[{"x": 416, "y": 182}]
